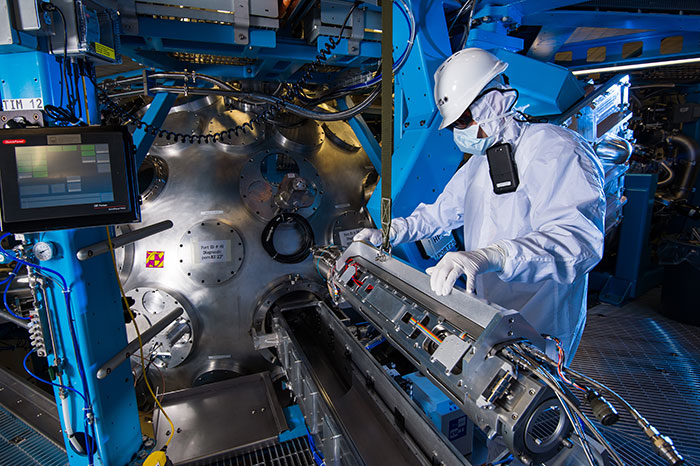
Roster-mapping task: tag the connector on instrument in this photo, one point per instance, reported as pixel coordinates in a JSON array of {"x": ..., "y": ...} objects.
[
  {"x": 602, "y": 409},
  {"x": 36, "y": 333},
  {"x": 664, "y": 446}
]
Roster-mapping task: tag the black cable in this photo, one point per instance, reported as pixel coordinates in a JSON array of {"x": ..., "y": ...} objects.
[
  {"x": 61, "y": 114},
  {"x": 268, "y": 236},
  {"x": 296, "y": 89}
]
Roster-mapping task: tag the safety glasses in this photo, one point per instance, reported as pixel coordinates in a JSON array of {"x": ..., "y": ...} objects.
[{"x": 463, "y": 121}]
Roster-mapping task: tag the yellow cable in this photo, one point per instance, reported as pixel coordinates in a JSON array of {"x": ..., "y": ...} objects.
[{"x": 138, "y": 334}]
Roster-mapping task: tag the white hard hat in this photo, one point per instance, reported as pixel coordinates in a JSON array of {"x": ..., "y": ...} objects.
[{"x": 461, "y": 78}]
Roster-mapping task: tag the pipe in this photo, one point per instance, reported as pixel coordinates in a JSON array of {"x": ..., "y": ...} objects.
[
  {"x": 132, "y": 346},
  {"x": 22, "y": 323},
  {"x": 122, "y": 240},
  {"x": 688, "y": 149}
]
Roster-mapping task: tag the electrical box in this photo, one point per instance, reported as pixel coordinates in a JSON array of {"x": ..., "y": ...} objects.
[{"x": 62, "y": 178}]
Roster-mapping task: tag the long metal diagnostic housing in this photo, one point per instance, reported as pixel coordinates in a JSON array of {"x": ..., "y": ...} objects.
[{"x": 455, "y": 341}]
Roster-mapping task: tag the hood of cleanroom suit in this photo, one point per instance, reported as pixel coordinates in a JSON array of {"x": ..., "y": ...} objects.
[{"x": 551, "y": 227}]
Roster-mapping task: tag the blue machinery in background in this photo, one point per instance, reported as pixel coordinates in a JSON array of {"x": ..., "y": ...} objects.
[{"x": 261, "y": 42}]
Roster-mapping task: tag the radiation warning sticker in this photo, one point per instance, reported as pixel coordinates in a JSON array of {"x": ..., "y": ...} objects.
[{"x": 155, "y": 259}]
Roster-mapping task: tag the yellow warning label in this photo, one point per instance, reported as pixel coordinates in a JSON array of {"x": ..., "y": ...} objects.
[
  {"x": 155, "y": 259},
  {"x": 104, "y": 50}
]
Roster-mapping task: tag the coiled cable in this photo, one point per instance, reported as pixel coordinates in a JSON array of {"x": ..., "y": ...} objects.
[{"x": 268, "y": 236}]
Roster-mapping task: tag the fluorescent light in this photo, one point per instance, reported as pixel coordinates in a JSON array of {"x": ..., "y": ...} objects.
[{"x": 637, "y": 66}]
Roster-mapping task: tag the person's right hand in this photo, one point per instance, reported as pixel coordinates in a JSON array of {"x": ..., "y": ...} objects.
[{"x": 370, "y": 235}]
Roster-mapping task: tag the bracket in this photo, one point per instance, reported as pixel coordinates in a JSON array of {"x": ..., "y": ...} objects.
[
  {"x": 241, "y": 22},
  {"x": 357, "y": 32}
]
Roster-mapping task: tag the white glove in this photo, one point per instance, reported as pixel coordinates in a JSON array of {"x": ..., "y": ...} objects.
[
  {"x": 374, "y": 236},
  {"x": 471, "y": 263},
  {"x": 370, "y": 235}
]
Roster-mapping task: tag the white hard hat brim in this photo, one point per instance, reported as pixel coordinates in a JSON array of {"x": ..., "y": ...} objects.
[{"x": 468, "y": 98}]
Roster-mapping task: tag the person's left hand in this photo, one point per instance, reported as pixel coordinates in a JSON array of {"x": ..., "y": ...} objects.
[{"x": 470, "y": 263}]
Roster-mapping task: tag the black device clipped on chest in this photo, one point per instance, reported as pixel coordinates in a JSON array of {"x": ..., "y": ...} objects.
[{"x": 502, "y": 168}]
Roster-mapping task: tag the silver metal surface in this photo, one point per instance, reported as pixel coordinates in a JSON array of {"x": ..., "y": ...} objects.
[
  {"x": 133, "y": 346},
  {"x": 295, "y": 452},
  {"x": 469, "y": 367},
  {"x": 321, "y": 419},
  {"x": 206, "y": 184},
  {"x": 149, "y": 309},
  {"x": 262, "y": 175},
  {"x": 121, "y": 240},
  {"x": 214, "y": 420},
  {"x": 34, "y": 407},
  {"x": 27, "y": 15},
  {"x": 654, "y": 363},
  {"x": 20, "y": 445},
  {"x": 10, "y": 318},
  {"x": 262, "y": 13},
  {"x": 211, "y": 252},
  {"x": 5, "y": 23},
  {"x": 450, "y": 352},
  {"x": 418, "y": 433}
]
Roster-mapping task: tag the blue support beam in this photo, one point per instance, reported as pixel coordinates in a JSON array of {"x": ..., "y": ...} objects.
[
  {"x": 424, "y": 158},
  {"x": 99, "y": 324},
  {"x": 650, "y": 48},
  {"x": 614, "y": 19},
  {"x": 267, "y": 56},
  {"x": 155, "y": 115},
  {"x": 633, "y": 273},
  {"x": 94, "y": 310}
]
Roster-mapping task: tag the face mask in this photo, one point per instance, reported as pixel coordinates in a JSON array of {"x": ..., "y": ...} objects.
[{"x": 468, "y": 141}]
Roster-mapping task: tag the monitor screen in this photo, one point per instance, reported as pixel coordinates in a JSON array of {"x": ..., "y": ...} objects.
[{"x": 55, "y": 178}]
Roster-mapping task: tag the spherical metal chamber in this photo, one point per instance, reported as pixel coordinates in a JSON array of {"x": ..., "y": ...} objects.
[{"x": 220, "y": 197}]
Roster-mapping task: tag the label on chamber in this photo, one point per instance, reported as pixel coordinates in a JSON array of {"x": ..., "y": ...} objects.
[
  {"x": 347, "y": 235},
  {"x": 213, "y": 251},
  {"x": 155, "y": 259},
  {"x": 35, "y": 103}
]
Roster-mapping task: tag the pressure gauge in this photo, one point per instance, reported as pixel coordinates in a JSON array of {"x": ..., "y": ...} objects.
[{"x": 44, "y": 250}]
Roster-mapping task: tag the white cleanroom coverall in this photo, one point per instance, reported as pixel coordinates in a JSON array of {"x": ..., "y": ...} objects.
[{"x": 550, "y": 228}]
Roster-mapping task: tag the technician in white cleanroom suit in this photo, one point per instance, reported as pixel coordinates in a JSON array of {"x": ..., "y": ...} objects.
[{"x": 528, "y": 250}]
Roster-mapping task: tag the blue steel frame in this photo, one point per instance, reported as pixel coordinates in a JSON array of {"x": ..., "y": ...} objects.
[
  {"x": 633, "y": 271},
  {"x": 424, "y": 158},
  {"x": 95, "y": 302},
  {"x": 268, "y": 56}
]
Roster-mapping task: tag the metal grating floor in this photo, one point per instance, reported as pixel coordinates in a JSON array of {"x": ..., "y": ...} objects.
[
  {"x": 20, "y": 445},
  {"x": 295, "y": 452},
  {"x": 654, "y": 363}
]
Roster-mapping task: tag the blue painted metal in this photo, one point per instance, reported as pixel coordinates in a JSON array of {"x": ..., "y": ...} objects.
[
  {"x": 95, "y": 301},
  {"x": 528, "y": 6},
  {"x": 424, "y": 158},
  {"x": 633, "y": 271},
  {"x": 295, "y": 423},
  {"x": 442, "y": 412},
  {"x": 493, "y": 40},
  {"x": 39, "y": 78},
  {"x": 650, "y": 43},
  {"x": 614, "y": 19},
  {"x": 155, "y": 115},
  {"x": 32, "y": 449},
  {"x": 267, "y": 56},
  {"x": 99, "y": 325},
  {"x": 546, "y": 89},
  {"x": 28, "y": 75}
]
